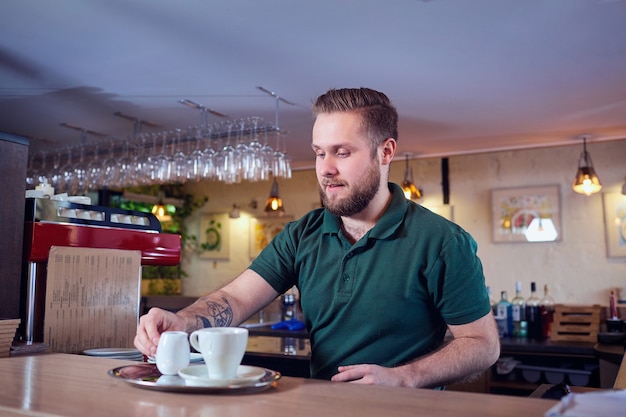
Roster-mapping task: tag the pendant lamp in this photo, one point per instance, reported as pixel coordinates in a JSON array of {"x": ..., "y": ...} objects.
[
  {"x": 586, "y": 181},
  {"x": 160, "y": 212},
  {"x": 411, "y": 192},
  {"x": 274, "y": 204}
]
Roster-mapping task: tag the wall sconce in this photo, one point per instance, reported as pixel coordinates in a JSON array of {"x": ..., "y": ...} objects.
[
  {"x": 586, "y": 181},
  {"x": 274, "y": 204},
  {"x": 411, "y": 192},
  {"x": 235, "y": 213}
]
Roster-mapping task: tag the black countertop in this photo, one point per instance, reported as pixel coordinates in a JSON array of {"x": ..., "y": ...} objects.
[
  {"x": 266, "y": 330},
  {"x": 545, "y": 347},
  {"x": 508, "y": 345}
]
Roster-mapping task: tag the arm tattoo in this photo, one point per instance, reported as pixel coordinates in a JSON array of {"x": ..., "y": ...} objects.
[{"x": 220, "y": 314}]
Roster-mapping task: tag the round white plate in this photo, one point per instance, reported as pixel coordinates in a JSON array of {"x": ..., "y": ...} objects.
[
  {"x": 193, "y": 357},
  {"x": 112, "y": 352},
  {"x": 198, "y": 376}
]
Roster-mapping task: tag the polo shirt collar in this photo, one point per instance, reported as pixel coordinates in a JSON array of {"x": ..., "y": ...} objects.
[{"x": 386, "y": 225}]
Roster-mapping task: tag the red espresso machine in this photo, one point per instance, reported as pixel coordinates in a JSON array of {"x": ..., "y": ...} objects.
[{"x": 62, "y": 223}]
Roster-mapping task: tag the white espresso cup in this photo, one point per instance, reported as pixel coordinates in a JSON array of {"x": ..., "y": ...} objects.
[
  {"x": 172, "y": 352},
  {"x": 222, "y": 349}
]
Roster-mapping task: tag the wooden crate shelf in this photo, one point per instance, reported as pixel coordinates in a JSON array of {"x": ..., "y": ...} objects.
[{"x": 576, "y": 323}]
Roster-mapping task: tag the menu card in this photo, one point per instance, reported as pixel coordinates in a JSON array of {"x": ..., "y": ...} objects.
[{"x": 92, "y": 298}]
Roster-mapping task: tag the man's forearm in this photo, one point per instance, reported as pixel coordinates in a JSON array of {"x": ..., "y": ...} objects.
[
  {"x": 456, "y": 361},
  {"x": 214, "y": 310}
]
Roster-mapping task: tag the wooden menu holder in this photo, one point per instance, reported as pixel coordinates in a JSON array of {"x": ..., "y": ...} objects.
[{"x": 92, "y": 298}]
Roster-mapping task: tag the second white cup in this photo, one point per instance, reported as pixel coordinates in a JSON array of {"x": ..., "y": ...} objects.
[{"x": 222, "y": 349}]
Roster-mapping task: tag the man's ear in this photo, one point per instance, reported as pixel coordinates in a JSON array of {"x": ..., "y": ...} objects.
[{"x": 388, "y": 148}]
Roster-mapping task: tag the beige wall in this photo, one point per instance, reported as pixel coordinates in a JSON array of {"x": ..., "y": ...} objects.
[{"x": 576, "y": 267}]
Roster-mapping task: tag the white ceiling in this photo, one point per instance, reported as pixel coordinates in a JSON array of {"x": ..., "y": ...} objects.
[{"x": 466, "y": 76}]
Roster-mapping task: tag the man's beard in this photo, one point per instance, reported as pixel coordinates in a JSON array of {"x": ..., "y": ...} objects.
[{"x": 360, "y": 195}]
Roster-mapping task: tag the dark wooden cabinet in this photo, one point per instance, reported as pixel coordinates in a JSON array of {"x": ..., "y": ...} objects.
[
  {"x": 537, "y": 363},
  {"x": 13, "y": 165}
]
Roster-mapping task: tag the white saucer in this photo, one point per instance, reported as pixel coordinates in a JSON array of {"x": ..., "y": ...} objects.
[
  {"x": 193, "y": 357},
  {"x": 198, "y": 376},
  {"x": 108, "y": 352}
]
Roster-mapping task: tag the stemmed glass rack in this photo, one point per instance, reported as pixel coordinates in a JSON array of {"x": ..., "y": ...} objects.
[{"x": 229, "y": 151}]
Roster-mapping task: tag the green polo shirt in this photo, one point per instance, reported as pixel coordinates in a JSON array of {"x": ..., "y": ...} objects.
[{"x": 387, "y": 298}]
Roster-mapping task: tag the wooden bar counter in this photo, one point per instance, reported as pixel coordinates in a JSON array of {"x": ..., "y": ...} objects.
[
  {"x": 620, "y": 380},
  {"x": 76, "y": 385}
]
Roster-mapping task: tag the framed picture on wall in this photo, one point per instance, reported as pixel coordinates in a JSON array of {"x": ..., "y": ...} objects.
[
  {"x": 526, "y": 214},
  {"x": 263, "y": 230},
  {"x": 215, "y": 236},
  {"x": 615, "y": 224}
]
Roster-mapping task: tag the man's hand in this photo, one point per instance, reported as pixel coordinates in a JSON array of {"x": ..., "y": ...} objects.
[{"x": 152, "y": 325}]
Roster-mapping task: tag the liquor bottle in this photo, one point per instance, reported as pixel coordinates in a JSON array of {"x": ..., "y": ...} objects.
[
  {"x": 493, "y": 302},
  {"x": 547, "y": 311},
  {"x": 288, "y": 305},
  {"x": 533, "y": 314},
  {"x": 518, "y": 310},
  {"x": 504, "y": 317}
]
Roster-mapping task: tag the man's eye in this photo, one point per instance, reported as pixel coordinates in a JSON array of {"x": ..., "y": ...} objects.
[
  {"x": 343, "y": 154},
  {"x": 319, "y": 155}
]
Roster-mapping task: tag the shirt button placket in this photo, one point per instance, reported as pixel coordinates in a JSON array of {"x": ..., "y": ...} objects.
[{"x": 346, "y": 279}]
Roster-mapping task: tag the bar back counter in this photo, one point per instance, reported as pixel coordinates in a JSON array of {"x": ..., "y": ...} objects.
[
  {"x": 524, "y": 364},
  {"x": 536, "y": 363}
]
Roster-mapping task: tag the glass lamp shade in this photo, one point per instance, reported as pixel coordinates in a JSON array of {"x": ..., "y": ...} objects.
[
  {"x": 586, "y": 181},
  {"x": 274, "y": 204},
  {"x": 411, "y": 192}
]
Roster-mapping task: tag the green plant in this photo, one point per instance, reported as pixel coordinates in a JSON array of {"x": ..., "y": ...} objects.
[{"x": 176, "y": 225}]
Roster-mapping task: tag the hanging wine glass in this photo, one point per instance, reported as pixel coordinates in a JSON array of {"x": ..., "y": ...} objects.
[
  {"x": 152, "y": 165},
  {"x": 278, "y": 167},
  {"x": 228, "y": 158},
  {"x": 42, "y": 175},
  {"x": 266, "y": 154},
  {"x": 30, "y": 173},
  {"x": 140, "y": 169},
  {"x": 109, "y": 168},
  {"x": 194, "y": 161},
  {"x": 94, "y": 170},
  {"x": 163, "y": 165},
  {"x": 54, "y": 177},
  {"x": 178, "y": 161},
  {"x": 79, "y": 179},
  {"x": 254, "y": 151},
  {"x": 209, "y": 166},
  {"x": 67, "y": 173},
  {"x": 243, "y": 153},
  {"x": 285, "y": 160},
  {"x": 124, "y": 167}
]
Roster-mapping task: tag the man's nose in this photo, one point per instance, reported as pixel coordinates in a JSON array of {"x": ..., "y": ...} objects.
[{"x": 326, "y": 167}]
